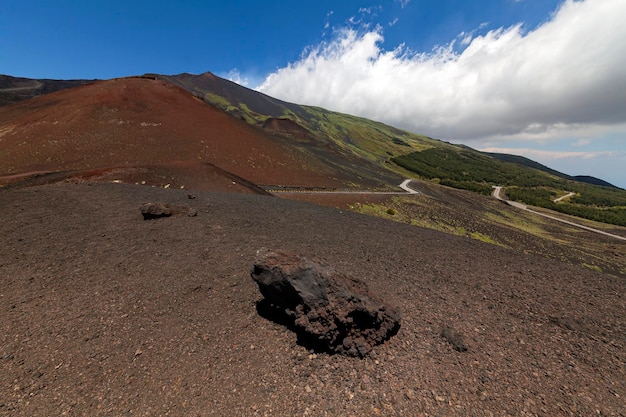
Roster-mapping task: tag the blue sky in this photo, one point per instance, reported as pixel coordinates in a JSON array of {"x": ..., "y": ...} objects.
[{"x": 540, "y": 78}]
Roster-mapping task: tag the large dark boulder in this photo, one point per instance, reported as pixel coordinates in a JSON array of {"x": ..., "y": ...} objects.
[{"x": 330, "y": 311}]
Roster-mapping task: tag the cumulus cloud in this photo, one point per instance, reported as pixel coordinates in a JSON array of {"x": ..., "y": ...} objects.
[
  {"x": 565, "y": 76},
  {"x": 235, "y": 76}
]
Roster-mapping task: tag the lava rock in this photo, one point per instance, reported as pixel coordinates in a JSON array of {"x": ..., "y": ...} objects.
[
  {"x": 151, "y": 211},
  {"x": 329, "y": 311},
  {"x": 454, "y": 338}
]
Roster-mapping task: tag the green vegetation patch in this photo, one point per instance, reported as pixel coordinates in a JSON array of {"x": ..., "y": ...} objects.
[
  {"x": 475, "y": 187},
  {"x": 440, "y": 224},
  {"x": 484, "y": 238},
  {"x": 465, "y": 168},
  {"x": 461, "y": 165},
  {"x": 592, "y": 202},
  {"x": 594, "y": 267},
  {"x": 372, "y": 140}
]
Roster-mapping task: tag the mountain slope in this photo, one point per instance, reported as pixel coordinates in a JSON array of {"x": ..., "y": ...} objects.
[
  {"x": 140, "y": 122},
  {"x": 268, "y": 142},
  {"x": 520, "y": 160},
  {"x": 593, "y": 180},
  {"x": 390, "y": 148},
  {"x": 365, "y": 138},
  {"x": 465, "y": 168},
  {"x": 536, "y": 165},
  {"x": 15, "y": 89}
]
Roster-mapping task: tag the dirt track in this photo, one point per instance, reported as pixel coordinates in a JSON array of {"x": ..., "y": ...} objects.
[{"x": 102, "y": 313}]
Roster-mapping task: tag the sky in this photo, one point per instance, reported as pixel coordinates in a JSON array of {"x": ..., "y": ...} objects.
[{"x": 543, "y": 79}]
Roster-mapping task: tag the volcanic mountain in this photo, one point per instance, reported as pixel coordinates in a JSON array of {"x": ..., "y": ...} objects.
[
  {"x": 205, "y": 132},
  {"x": 145, "y": 130},
  {"x": 105, "y": 313}
]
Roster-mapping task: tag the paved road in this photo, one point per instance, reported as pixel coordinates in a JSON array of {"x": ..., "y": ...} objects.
[
  {"x": 498, "y": 189},
  {"x": 404, "y": 186}
]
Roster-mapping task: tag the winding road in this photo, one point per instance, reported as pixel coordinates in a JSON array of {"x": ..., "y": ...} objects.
[
  {"x": 404, "y": 186},
  {"x": 408, "y": 190},
  {"x": 498, "y": 189}
]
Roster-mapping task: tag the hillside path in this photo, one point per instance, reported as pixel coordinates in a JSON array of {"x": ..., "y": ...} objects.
[
  {"x": 564, "y": 197},
  {"x": 33, "y": 86},
  {"x": 404, "y": 186},
  {"x": 498, "y": 189}
]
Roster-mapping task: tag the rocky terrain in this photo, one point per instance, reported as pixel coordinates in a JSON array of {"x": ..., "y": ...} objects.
[
  {"x": 105, "y": 313},
  {"x": 133, "y": 212}
]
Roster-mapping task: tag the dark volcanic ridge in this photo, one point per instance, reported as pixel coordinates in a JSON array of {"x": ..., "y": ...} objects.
[
  {"x": 207, "y": 82},
  {"x": 16, "y": 89}
]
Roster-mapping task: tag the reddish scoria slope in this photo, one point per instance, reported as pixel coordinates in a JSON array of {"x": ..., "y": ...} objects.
[{"x": 140, "y": 126}]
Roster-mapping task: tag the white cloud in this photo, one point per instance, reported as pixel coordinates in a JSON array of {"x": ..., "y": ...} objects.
[
  {"x": 566, "y": 77},
  {"x": 403, "y": 3},
  {"x": 235, "y": 76}
]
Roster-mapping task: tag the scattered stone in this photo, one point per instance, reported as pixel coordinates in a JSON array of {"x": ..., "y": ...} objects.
[
  {"x": 329, "y": 311},
  {"x": 454, "y": 338},
  {"x": 151, "y": 211},
  {"x": 409, "y": 394}
]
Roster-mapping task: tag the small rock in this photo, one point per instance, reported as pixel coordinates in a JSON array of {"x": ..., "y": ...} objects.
[
  {"x": 151, "y": 211},
  {"x": 409, "y": 394},
  {"x": 155, "y": 210},
  {"x": 454, "y": 338}
]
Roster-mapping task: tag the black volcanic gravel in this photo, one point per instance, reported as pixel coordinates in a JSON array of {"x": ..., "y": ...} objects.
[{"x": 103, "y": 313}]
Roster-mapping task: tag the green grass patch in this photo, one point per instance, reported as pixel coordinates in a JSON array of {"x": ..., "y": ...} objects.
[
  {"x": 441, "y": 225},
  {"x": 484, "y": 238},
  {"x": 605, "y": 207},
  {"x": 594, "y": 267}
]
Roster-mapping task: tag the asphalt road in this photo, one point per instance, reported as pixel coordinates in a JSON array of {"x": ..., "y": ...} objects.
[
  {"x": 498, "y": 189},
  {"x": 404, "y": 186}
]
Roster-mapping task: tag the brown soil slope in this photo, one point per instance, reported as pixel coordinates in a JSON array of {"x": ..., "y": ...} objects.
[
  {"x": 102, "y": 313},
  {"x": 135, "y": 122}
]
